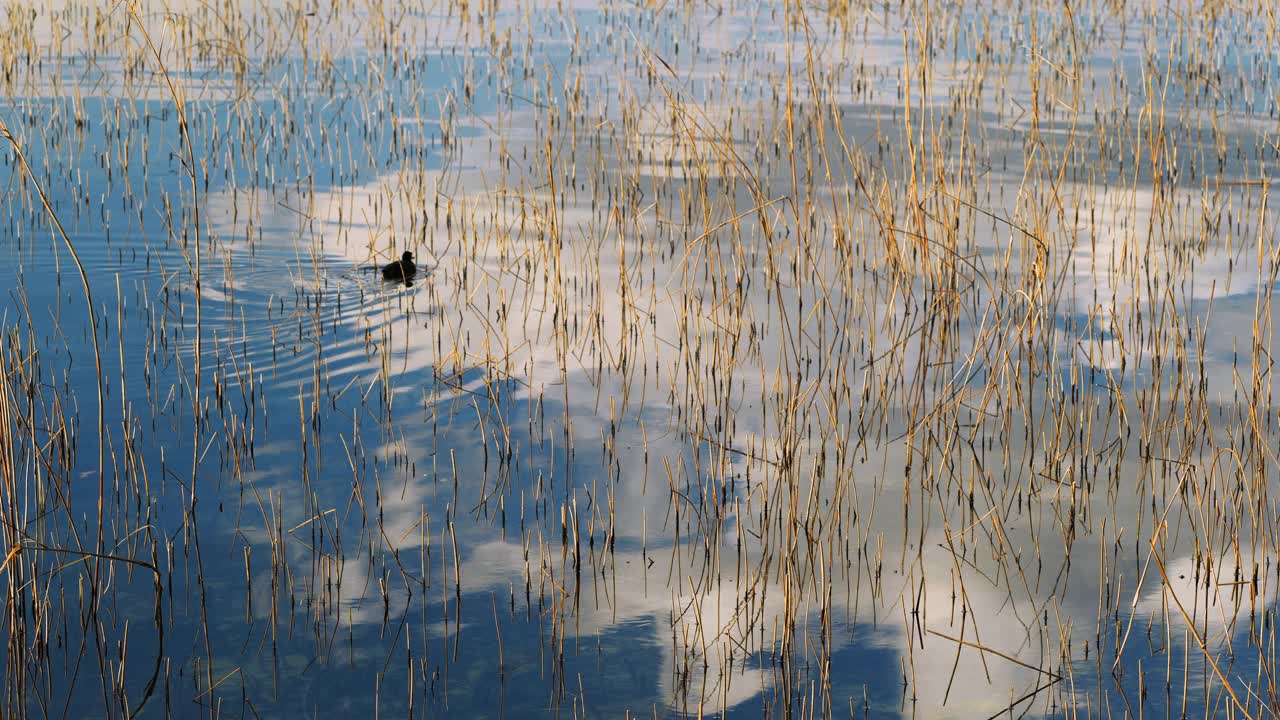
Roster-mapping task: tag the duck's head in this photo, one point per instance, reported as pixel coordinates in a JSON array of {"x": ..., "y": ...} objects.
[{"x": 407, "y": 257}]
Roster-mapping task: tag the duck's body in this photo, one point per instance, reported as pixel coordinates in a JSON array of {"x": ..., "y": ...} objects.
[{"x": 401, "y": 269}]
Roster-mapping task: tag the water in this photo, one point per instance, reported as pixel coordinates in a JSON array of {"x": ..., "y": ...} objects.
[{"x": 881, "y": 361}]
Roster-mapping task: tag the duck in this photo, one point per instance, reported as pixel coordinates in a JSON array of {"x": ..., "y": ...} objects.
[{"x": 401, "y": 269}]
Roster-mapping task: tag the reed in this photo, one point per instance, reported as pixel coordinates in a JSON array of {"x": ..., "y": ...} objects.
[{"x": 792, "y": 339}]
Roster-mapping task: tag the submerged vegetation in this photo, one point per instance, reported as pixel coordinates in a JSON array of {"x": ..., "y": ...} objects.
[{"x": 764, "y": 359}]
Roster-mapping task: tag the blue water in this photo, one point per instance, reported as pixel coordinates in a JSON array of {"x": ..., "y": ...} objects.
[{"x": 661, "y": 429}]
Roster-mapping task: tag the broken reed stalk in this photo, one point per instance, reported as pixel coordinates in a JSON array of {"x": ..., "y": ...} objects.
[{"x": 95, "y": 568}]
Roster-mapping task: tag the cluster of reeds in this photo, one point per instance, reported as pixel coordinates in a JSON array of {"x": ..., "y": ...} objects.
[{"x": 795, "y": 331}]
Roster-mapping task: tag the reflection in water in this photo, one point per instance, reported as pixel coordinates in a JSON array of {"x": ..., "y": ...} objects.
[{"x": 748, "y": 361}]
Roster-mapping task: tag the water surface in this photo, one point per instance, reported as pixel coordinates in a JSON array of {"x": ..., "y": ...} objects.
[{"x": 884, "y": 361}]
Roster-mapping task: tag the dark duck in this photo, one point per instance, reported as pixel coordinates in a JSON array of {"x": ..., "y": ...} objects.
[{"x": 401, "y": 269}]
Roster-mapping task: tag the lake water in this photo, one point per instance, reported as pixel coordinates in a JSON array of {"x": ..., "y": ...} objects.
[{"x": 842, "y": 359}]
